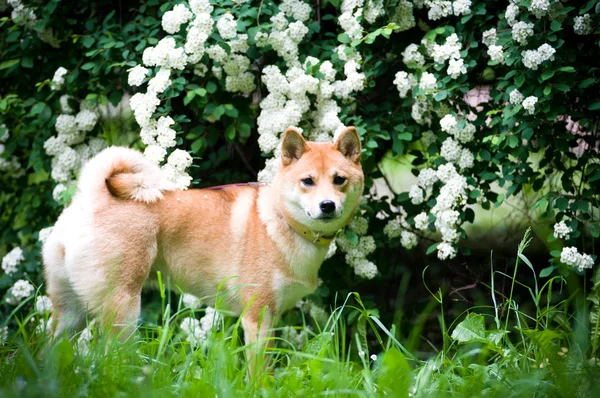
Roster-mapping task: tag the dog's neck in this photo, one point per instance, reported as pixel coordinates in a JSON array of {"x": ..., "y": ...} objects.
[{"x": 315, "y": 237}]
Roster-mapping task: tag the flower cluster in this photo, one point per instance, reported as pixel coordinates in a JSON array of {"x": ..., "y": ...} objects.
[
  {"x": 571, "y": 257},
  {"x": 19, "y": 291},
  {"x": 12, "y": 260},
  {"x": 539, "y": 8},
  {"x": 356, "y": 253},
  {"x": 68, "y": 148},
  {"x": 533, "y": 58},
  {"x": 403, "y": 16},
  {"x": 197, "y": 330},
  {"x": 288, "y": 102},
  {"x": 495, "y": 52},
  {"x": 58, "y": 80},
  {"x": 10, "y": 167},
  {"x": 583, "y": 24},
  {"x": 452, "y": 196},
  {"x": 43, "y": 304},
  {"x": 561, "y": 230},
  {"x": 191, "y": 301},
  {"x": 296, "y": 338},
  {"x": 521, "y": 31},
  {"x": 529, "y": 104}
]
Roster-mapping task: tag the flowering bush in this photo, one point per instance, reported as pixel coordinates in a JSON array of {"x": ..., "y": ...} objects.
[{"x": 206, "y": 89}]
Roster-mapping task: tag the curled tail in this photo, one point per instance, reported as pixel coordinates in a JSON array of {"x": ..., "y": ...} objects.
[{"x": 124, "y": 173}]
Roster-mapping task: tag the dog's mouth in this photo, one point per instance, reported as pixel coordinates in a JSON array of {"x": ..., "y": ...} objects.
[{"x": 323, "y": 217}]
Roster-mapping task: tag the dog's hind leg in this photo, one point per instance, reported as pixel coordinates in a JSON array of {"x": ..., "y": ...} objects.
[{"x": 69, "y": 314}]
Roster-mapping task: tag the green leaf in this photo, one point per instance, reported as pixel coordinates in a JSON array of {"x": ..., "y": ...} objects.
[
  {"x": 395, "y": 374},
  {"x": 352, "y": 237},
  {"x": 406, "y": 136},
  {"x": 562, "y": 87},
  {"x": 87, "y": 41},
  {"x": 547, "y": 74},
  {"x": 471, "y": 329},
  {"x": 547, "y": 271},
  {"x": 211, "y": 87},
  {"x": 555, "y": 26},
  {"x": 88, "y": 65},
  {"x": 8, "y": 64},
  {"x": 230, "y": 132},
  {"x": 432, "y": 248},
  {"x": 594, "y": 107}
]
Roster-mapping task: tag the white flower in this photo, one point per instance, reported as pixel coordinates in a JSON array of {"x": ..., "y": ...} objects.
[
  {"x": 392, "y": 229},
  {"x": 155, "y": 153},
  {"x": 446, "y": 251},
  {"x": 268, "y": 142},
  {"x": 404, "y": 82},
  {"x": 359, "y": 225},
  {"x": 11, "y": 260},
  {"x": 373, "y": 357},
  {"x": 427, "y": 177},
  {"x": 403, "y": 16},
  {"x": 421, "y": 221},
  {"x": 160, "y": 82},
  {"x": 539, "y": 8},
  {"x": 43, "y": 304},
  {"x": 296, "y": 338},
  {"x": 428, "y": 82},
  {"x": 412, "y": 57},
  {"x": 583, "y": 24},
  {"x": 86, "y": 120},
  {"x": 490, "y": 37},
  {"x": 172, "y": 20},
  {"x": 416, "y": 195},
  {"x": 201, "y": 6},
  {"x": 562, "y": 230},
  {"x": 373, "y": 10},
  {"x": 461, "y": 7},
  {"x": 59, "y": 78},
  {"x": 409, "y": 240},
  {"x": 365, "y": 269},
  {"x": 521, "y": 31},
  {"x": 191, "y": 301},
  {"x": 65, "y": 124},
  {"x": 529, "y": 104},
  {"x": 573, "y": 258},
  {"x": 64, "y": 104},
  {"x": 512, "y": 11},
  {"x": 496, "y": 54},
  {"x": 296, "y": 9},
  {"x": 350, "y": 25},
  {"x": 515, "y": 97},
  {"x": 466, "y": 134},
  {"x": 227, "y": 26},
  {"x": 451, "y": 150},
  {"x": 456, "y": 67},
  {"x": 466, "y": 160},
  {"x": 57, "y": 192},
  {"x": 439, "y": 9},
  {"x": 137, "y": 75},
  {"x": 180, "y": 160},
  {"x": 21, "y": 290},
  {"x": 533, "y": 58}
]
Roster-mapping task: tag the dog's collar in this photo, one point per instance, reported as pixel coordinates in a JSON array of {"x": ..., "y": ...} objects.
[{"x": 315, "y": 237}]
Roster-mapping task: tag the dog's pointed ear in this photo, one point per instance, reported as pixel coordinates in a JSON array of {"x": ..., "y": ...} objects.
[
  {"x": 348, "y": 143},
  {"x": 293, "y": 146}
]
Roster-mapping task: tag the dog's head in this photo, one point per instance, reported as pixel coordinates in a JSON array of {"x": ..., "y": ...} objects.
[{"x": 320, "y": 183}]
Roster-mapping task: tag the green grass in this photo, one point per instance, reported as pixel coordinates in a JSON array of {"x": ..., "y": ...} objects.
[{"x": 493, "y": 350}]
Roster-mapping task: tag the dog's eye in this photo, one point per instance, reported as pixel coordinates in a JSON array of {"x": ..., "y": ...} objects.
[
  {"x": 339, "y": 180},
  {"x": 308, "y": 182}
]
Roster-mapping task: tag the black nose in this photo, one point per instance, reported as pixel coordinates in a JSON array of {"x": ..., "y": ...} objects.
[{"x": 327, "y": 206}]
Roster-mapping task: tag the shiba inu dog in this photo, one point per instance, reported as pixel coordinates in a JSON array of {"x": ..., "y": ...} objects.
[{"x": 126, "y": 222}]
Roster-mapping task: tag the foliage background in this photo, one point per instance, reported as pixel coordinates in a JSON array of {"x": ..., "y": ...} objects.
[{"x": 532, "y": 163}]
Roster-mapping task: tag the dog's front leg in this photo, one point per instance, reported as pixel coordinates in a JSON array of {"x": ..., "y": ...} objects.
[{"x": 257, "y": 324}]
